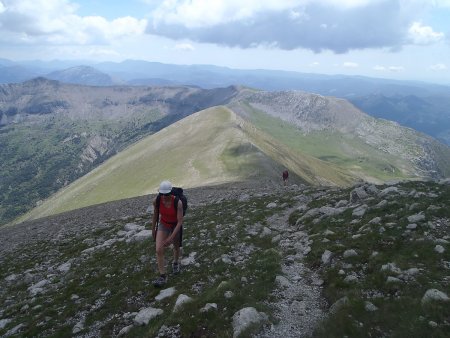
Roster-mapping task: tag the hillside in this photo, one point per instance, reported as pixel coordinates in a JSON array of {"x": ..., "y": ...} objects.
[
  {"x": 53, "y": 133},
  {"x": 210, "y": 147},
  {"x": 258, "y": 261},
  {"x": 335, "y": 131},
  {"x": 73, "y": 129}
]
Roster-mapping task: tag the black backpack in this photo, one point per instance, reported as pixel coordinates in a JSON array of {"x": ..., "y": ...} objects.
[{"x": 178, "y": 193}]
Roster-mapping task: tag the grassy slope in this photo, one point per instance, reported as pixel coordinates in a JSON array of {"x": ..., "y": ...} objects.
[
  {"x": 342, "y": 153},
  {"x": 215, "y": 146},
  {"x": 205, "y": 148}
]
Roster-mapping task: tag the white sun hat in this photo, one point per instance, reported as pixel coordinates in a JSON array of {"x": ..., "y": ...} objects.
[{"x": 165, "y": 187}]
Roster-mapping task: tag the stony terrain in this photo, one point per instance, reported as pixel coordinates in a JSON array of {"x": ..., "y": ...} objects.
[{"x": 263, "y": 261}]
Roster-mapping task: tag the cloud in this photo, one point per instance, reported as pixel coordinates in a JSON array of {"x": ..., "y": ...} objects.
[
  {"x": 318, "y": 25},
  {"x": 423, "y": 35},
  {"x": 393, "y": 69},
  {"x": 379, "y": 68},
  {"x": 350, "y": 65},
  {"x": 184, "y": 47},
  {"x": 438, "y": 67},
  {"x": 56, "y": 22},
  {"x": 396, "y": 69}
]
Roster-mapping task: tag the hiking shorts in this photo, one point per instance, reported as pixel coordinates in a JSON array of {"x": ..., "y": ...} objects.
[{"x": 168, "y": 230}]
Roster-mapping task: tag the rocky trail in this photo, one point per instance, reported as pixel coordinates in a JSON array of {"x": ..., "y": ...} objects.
[{"x": 299, "y": 305}]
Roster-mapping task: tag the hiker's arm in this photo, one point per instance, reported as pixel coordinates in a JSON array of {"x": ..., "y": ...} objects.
[
  {"x": 155, "y": 214},
  {"x": 170, "y": 239},
  {"x": 154, "y": 219}
]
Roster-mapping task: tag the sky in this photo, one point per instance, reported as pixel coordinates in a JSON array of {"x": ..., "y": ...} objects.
[{"x": 396, "y": 39}]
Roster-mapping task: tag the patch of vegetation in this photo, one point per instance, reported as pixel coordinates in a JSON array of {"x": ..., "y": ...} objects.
[
  {"x": 332, "y": 147},
  {"x": 381, "y": 238}
]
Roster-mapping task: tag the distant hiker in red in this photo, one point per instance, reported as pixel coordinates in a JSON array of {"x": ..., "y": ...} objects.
[
  {"x": 168, "y": 231},
  {"x": 285, "y": 177}
]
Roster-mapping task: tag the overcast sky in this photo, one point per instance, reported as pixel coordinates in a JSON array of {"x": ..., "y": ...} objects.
[{"x": 401, "y": 39}]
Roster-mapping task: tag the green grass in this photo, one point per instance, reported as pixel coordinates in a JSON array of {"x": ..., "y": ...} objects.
[
  {"x": 344, "y": 151},
  {"x": 400, "y": 312},
  {"x": 208, "y": 147}
]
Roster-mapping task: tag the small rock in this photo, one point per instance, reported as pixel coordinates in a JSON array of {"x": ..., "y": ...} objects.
[
  {"x": 133, "y": 227},
  {"x": 388, "y": 191},
  {"x": 124, "y": 330},
  {"x": 245, "y": 318},
  {"x": 439, "y": 249},
  {"x": 391, "y": 267},
  {"x": 16, "y": 329},
  {"x": 4, "y": 322},
  {"x": 141, "y": 236},
  {"x": 338, "y": 304},
  {"x": 282, "y": 281},
  {"x": 181, "y": 300},
  {"x": 359, "y": 211},
  {"x": 434, "y": 295},
  {"x": 370, "y": 307},
  {"x": 416, "y": 218},
  {"x": 326, "y": 257},
  {"x": 391, "y": 279},
  {"x": 228, "y": 294},
  {"x": 432, "y": 324},
  {"x": 351, "y": 279},
  {"x": 350, "y": 253},
  {"x": 78, "y": 327},
  {"x": 376, "y": 220},
  {"x": 145, "y": 315},
  {"x": 165, "y": 294},
  {"x": 208, "y": 307}
]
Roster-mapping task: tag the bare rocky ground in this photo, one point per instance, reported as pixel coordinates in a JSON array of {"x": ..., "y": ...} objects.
[{"x": 348, "y": 260}]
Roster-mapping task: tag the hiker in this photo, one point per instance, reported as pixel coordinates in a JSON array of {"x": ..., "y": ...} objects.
[
  {"x": 168, "y": 231},
  {"x": 285, "y": 177}
]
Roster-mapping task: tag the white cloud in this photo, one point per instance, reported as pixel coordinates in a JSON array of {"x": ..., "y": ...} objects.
[
  {"x": 314, "y": 64},
  {"x": 184, "y": 47},
  {"x": 317, "y": 25},
  {"x": 350, "y": 65},
  {"x": 204, "y": 13},
  {"x": 56, "y": 22},
  {"x": 423, "y": 35},
  {"x": 379, "y": 68},
  {"x": 396, "y": 69},
  {"x": 438, "y": 67},
  {"x": 441, "y": 3}
]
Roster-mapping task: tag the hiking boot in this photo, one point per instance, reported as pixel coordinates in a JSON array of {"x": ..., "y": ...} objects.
[
  {"x": 176, "y": 268},
  {"x": 160, "y": 281}
]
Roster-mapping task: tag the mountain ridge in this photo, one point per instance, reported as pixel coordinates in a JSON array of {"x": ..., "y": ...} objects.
[{"x": 79, "y": 127}]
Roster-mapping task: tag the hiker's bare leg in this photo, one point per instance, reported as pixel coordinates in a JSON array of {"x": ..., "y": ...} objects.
[
  {"x": 176, "y": 252},
  {"x": 160, "y": 238}
]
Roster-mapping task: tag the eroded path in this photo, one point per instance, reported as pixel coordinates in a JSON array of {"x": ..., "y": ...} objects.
[{"x": 299, "y": 305}]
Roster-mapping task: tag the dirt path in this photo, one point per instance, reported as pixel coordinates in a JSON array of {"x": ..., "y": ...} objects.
[{"x": 299, "y": 305}]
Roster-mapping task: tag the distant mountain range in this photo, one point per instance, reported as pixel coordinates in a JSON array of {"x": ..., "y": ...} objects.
[
  {"x": 418, "y": 105},
  {"x": 55, "y": 133}
]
